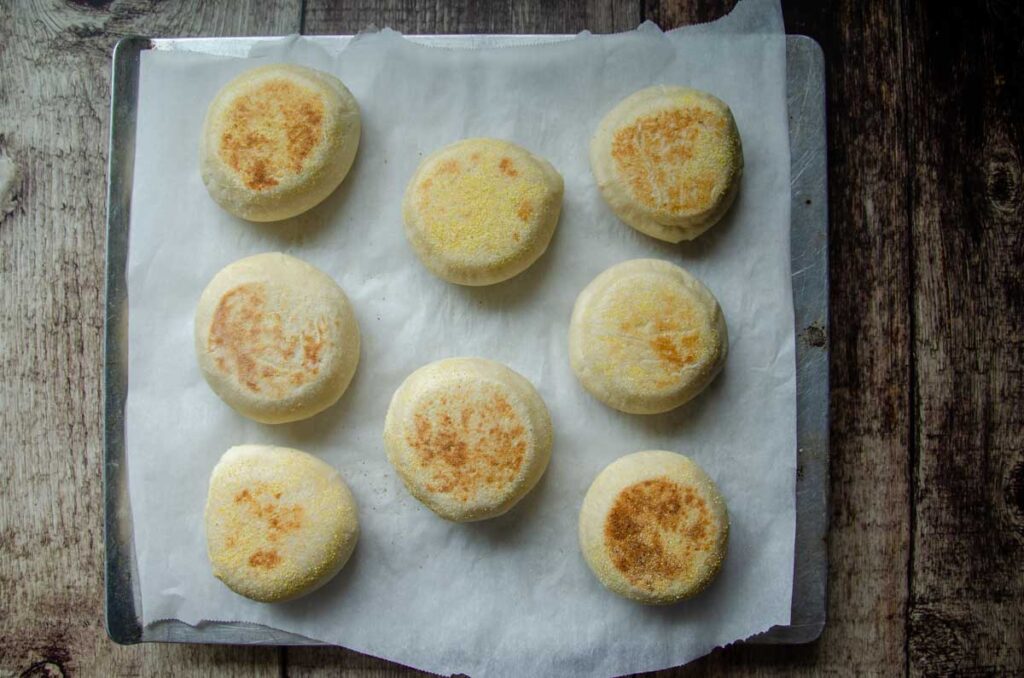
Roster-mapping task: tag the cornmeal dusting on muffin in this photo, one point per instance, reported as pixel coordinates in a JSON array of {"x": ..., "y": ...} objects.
[
  {"x": 265, "y": 505},
  {"x": 656, "y": 532},
  {"x": 649, "y": 333},
  {"x": 271, "y": 131},
  {"x": 485, "y": 205},
  {"x": 678, "y": 160},
  {"x": 263, "y": 526},
  {"x": 468, "y": 441},
  {"x": 249, "y": 341}
]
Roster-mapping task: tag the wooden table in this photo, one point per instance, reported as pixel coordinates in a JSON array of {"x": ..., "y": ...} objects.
[{"x": 926, "y": 118}]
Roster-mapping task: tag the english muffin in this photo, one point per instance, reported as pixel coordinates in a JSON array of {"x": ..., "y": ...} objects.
[
  {"x": 654, "y": 527},
  {"x": 276, "y": 338},
  {"x": 668, "y": 161},
  {"x": 469, "y": 437},
  {"x": 480, "y": 211},
  {"x": 646, "y": 336},
  {"x": 278, "y": 140},
  {"x": 279, "y": 522}
]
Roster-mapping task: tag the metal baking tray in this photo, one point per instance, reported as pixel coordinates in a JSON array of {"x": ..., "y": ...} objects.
[{"x": 809, "y": 252}]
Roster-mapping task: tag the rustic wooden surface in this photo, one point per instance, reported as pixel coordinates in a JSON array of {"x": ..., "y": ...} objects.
[
  {"x": 965, "y": 137},
  {"x": 926, "y": 129}
]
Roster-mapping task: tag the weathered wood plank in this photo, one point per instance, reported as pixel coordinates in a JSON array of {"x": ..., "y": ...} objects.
[
  {"x": 870, "y": 338},
  {"x": 966, "y": 140},
  {"x": 54, "y": 101},
  {"x": 324, "y": 17},
  {"x": 674, "y": 13}
]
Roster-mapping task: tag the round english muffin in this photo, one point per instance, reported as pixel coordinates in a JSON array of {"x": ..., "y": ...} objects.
[
  {"x": 276, "y": 338},
  {"x": 646, "y": 336},
  {"x": 279, "y": 522},
  {"x": 277, "y": 141},
  {"x": 469, "y": 437},
  {"x": 654, "y": 527},
  {"x": 668, "y": 161},
  {"x": 480, "y": 211}
]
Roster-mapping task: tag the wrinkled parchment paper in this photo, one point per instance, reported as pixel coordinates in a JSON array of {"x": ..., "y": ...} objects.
[{"x": 509, "y": 596}]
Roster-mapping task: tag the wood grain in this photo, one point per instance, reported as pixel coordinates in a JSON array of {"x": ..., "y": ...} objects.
[
  {"x": 54, "y": 102},
  {"x": 870, "y": 375},
  {"x": 670, "y": 14},
  {"x": 966, "y": 139},
  {"x": 325, "y": 17}
]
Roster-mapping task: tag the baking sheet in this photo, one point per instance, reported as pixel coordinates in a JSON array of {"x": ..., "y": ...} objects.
[
  {"x": 620, "y": 239},
  {"x": 808, "y": 251}
]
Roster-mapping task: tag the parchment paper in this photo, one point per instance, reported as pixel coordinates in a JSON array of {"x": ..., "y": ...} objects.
[{"x": 509, "y": 596}]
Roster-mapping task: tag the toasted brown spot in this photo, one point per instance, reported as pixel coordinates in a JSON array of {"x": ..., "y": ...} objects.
[
  {"x": 525, "y": 210},
  {"x": 266, "y": 560},
  {"x": 469, "y": 445},
  {"x": 258, "y": 178},
  {"x": 271, "y": 131},
  {"x": 312, "y": 345},
  {"x": 678, "y": 350},
  {"x": 508, "y": 167},
  {"x": 266, "y": 506},
  {"x": 657, "y": 334},
  {"x": 652, "y": 155},
  {"x": 288, "y": 347},
  {"x": 655, "y": 530},
  {"x": 666, "y": 350},
  {"x": 250, "y": 342},
  {"x": 448, "y": 167}
]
